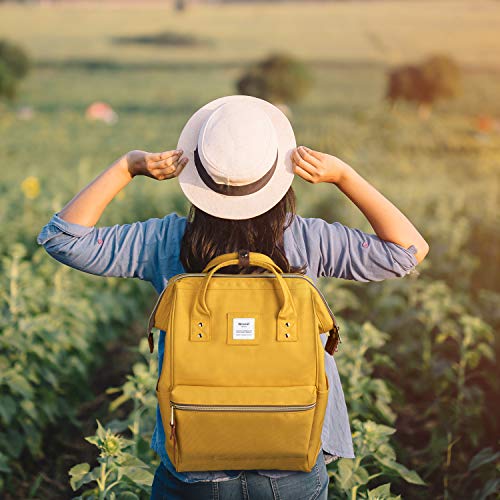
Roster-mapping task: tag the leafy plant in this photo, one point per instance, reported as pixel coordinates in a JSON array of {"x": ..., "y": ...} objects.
[
  {"x": 139, "y": 422},
  {"x": 438, "y": 77},
  {"x": 120, "y": 474},
  {"x": 369, "y": 402},
  {"x": 14, "y": 65},
  {"x": 139, "y": 389},
  {"x": 375, "y": 459},
  {"x": 280, "y": 79},
  {"x": 53, "y": 326},
  {"x": 8, "y": 82}
]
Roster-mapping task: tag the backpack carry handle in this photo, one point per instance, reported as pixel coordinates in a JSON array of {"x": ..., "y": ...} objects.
[
  {"x": 287, "y": 318},
  {"x": 235, "y": 255}
]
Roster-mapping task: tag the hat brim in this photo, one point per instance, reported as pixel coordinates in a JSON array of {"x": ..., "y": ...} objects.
[{"x": 237, "y": 207}]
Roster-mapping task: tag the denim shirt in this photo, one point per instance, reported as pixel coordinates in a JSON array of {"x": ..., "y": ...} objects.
[{"x": 149, "y": 250}]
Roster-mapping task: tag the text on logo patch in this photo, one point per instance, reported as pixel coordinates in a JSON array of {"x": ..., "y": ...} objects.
[{"x": 243, "y": 328}]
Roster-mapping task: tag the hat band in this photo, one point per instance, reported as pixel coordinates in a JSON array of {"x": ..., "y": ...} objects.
[{"x": 228, "y": 190}]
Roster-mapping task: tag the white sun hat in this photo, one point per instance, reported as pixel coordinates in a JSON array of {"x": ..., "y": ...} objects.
[{"x": 239, "y": 149}]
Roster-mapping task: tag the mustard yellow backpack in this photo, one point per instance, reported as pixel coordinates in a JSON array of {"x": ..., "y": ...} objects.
[{"x": 243, "y": 383}]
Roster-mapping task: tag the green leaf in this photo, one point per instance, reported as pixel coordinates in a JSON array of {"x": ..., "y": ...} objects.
[
  {"x": 79, "y": 470},
  {"x": 29, "y": 408},
  {"x": 345, "y": 473},
  {"x": 128, "y": 495},
  {"x": 8, "y": 409},
  {"x": 116, "y": 426},
  {"x": 382, "y": 492},
  {"x": 386, "y": 411},
  {"x": 16, "y": 440},
  {"x": 101, "y": 432},
  {"x": 491, "y": 486},
  {"x": 485, "y": 456},
  {"x": 472, "y": 358},
  {"x": 93, "y": 440},
  {"x": 34, "y": 487},
  {"x": 138, "y": 475},
  {"x": 409, "y": 476},
  {"x": 385, "y": 450},
  {"x": 4, "y": 467},
  {"x": 379, "y": 429},
  {"x": 441, "y": 337},
  {"x": 361, "y": 476},
  {"x": 128, "y": 460},
  {"x": 79, "y": 475},
  {"x": 19, "y": 384},
  {"x": 486, "y": 351}
]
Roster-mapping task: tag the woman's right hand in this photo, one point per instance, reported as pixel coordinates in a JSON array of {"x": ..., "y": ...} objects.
[{"x": 159, "y": 166}]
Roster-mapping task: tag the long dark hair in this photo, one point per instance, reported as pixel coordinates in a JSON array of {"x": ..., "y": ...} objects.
[{"x": 207, "y": 236}]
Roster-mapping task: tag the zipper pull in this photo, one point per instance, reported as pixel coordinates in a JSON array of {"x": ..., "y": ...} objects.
[
  {"x": 332, "y": 343},
  {"x": 151, "y": 342},
  {"x": 172, "y": 426}
]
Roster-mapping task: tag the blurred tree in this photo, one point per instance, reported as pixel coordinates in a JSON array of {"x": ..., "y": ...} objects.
[
  {"x": 280, "y": 79},
  {"x": 438, "y": 77},
  {"x": 7, "y": 82},
  {"x": 14, "y": 65},
  {"x": 15, "y": 57},
  {"x": 180, "y": 5}
]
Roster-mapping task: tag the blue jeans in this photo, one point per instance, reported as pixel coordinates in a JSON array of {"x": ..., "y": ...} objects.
[{"x": 249, "y": 485}]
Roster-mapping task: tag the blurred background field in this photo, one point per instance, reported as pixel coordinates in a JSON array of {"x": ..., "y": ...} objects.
[{"x": 418, "y": 354}]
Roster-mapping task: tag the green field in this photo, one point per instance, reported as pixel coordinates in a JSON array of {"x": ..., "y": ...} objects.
[{"x": 418, "y": 354}]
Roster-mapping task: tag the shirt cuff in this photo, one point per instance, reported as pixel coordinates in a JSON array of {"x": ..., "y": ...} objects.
[
  {"x": 56, "y": 224},
  {"x": 410, "y": 254}
]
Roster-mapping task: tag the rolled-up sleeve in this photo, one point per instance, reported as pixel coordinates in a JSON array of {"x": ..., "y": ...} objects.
[
  {"x": 128, "y": 250},
  {"x": 336, "y": 250}
]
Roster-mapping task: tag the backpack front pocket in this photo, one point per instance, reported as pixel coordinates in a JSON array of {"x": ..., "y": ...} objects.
[{"x": 217, "y": 428}]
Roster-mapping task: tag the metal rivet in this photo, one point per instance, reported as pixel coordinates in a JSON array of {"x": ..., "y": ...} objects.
[
  {"x": 286, "y": 335},
  {"x": 200, "y": 335},
  {"x": 287, "y": 324},
  {"x": 200, "y": 324}
]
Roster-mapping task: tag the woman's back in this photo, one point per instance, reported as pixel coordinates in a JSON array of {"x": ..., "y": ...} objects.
[
  {"x": 239, "y": 164},
  {"x": 150, "y": 249}
]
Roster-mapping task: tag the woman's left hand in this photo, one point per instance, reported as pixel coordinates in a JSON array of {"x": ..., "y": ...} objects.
[
  {"x": 314, "y": 166},
  {"x": 387, "y": 220}
]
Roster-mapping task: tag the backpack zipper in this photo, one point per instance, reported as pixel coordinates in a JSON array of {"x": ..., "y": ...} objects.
[
  {"x": 237, "y": 408},
  {"x": 243, "y": 408},
  {"x": 335, "y": 328}
]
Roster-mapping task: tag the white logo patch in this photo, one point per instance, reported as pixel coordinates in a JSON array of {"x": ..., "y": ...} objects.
[{"x": 243, "y": 328}]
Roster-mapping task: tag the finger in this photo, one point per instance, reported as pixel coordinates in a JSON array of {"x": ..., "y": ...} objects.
[
  {"x": 313, "y": 153},
  {"x": 173, "y": 169},
  {"x": 303, "y": 173},
  {"x": 181, "y": 167},
  {"x": 167, "y": 162},
  {"x": 311, "y": 169},
  {"x": 164, "y": 155},
  {"x": 308, "y": 155},
  {"x": 165, "y": 172}
]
